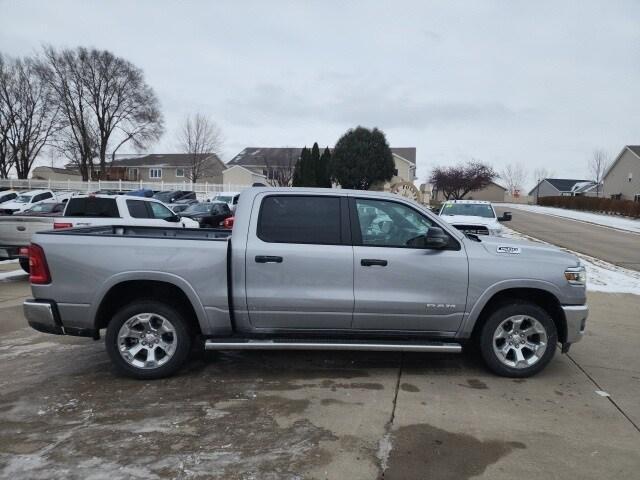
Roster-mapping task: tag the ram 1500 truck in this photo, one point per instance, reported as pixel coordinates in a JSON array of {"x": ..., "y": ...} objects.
[{"x": 308, "y": 269}]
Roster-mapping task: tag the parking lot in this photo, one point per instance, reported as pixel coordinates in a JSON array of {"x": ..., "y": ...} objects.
[{"x": 65, "y": 414}]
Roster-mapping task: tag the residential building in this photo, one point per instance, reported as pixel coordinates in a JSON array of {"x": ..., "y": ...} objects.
[
  {"x": 239, "y": 175},
  {"x": 266, "y": 161},
  {"x": 559, "y": 187},
  {"x": 622, "y": 178},
  {"x": 166, "y": 167},
  {"x": 491, "y": 193},
  {"x": 55, "y": 174}
]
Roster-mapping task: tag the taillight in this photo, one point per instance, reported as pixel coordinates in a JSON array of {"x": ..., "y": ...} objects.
[
  {"x": 228, "y": 222},
  {"x": 58, "y": 225},
  {"x": 38, "y": 269}
]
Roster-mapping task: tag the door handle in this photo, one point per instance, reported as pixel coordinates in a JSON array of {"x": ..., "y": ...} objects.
[
  {"x": 369, "y": 262},
  {"x": 268, "y": 259}
]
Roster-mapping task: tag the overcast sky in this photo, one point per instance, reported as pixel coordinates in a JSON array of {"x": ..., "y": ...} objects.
[{"x": 542, "y": 83}]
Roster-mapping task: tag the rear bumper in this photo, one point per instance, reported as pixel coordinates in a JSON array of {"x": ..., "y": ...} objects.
[
  {"x": 576, "y": 317},
  {"x": 44, "y": 316},
  {"x": 41, "y": 315}
]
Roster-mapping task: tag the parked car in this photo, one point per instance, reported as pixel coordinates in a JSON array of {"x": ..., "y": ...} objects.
[
  {"x": 210, "y": 215},
  {"x": 302, "y": 270},
  {"x": 7, "y": 195},
  {"x": 230, "y": 198},
  {"x": 91, "y": 210},
  {"x": 181, "y": 205},
  {"x": 16, "y": 232},
  {"x": 25, "y": 200},
  {"x": 45, "y": 209},
  {"x": 473, "y": 216},
  {"x": 172, "y": 196}
]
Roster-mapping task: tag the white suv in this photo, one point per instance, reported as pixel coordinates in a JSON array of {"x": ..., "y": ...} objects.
[{"x": 473, "y": 216}]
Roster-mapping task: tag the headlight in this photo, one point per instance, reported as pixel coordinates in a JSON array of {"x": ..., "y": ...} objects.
[{"x": 576, "y": 275}]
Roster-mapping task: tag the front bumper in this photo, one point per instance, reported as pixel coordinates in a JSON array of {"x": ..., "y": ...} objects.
[{"x": 576, "y": 317}]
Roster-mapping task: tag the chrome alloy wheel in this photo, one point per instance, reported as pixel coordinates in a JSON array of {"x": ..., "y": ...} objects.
[
  {"x": 147, "y": 340},
  {"x": 520, "y": 341}
]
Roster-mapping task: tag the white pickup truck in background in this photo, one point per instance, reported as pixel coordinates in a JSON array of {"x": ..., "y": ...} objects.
[{"x": 86, "y": 211}]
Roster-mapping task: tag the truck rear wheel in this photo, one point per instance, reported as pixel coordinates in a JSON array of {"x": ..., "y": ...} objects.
[
  {"x": 518, "y": 340},
  {"x": 148, "y": 339}
]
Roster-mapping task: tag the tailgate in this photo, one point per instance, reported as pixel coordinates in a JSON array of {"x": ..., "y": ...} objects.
[{"x": 17, "y": 231}]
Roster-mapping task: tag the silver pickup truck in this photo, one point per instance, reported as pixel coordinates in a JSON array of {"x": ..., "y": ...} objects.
[{"x": 308, "y": 269}]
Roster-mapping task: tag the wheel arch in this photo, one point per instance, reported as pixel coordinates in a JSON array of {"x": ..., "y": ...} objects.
[
  {"x": 125, "y": 288},
  {"x": 545, "y": 298}
]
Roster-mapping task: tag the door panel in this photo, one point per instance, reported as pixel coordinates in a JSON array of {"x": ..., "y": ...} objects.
[
  {"x": 299, "y": 264},
  {"x": 398, "y": 286}
]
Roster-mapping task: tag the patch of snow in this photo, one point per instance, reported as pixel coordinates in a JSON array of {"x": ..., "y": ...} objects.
[
  {"x": 611, "y": 221},
  {"x": 601, "y": 276},
  {"x": 12, "y": 274},
  {"x": 384, "y": 450}
]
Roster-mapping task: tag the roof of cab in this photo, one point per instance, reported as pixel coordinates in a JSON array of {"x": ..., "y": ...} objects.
[{"x": 467, "y": 201}]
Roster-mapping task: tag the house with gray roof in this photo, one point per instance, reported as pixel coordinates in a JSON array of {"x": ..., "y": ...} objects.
[
  {"x": 166, "y": 167},
  {"x": 622, "y": 178},
  {"x": 560, "y": 187},
  {"x": 263, "y": 161}
]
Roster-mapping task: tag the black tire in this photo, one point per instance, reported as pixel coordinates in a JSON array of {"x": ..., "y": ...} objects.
[
  {"x": 503, "y": 312},
  {"x": 183, "y": 338},
  {"x": 24, "y": 264}
]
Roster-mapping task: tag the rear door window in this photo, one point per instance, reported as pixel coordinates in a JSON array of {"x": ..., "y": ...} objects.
[
  {"x": 92, "y": 207},
  {"x": 300, "y": 219}
]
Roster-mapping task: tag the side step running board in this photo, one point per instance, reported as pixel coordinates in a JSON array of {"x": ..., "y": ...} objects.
[{"x": 311, "y": 345}]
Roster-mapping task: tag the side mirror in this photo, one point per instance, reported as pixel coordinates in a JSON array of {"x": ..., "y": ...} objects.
[
  {"x": 173, "y": 219},
  {"x": 436, "y": 238},
  {"x": 506, "y": 217}
]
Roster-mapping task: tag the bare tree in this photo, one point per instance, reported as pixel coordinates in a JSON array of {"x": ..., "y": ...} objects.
[
  {"x": 456, "y": 181},
  {"x": 280, "y": 174},
  {"x": 125, "y": 106},
  {"x": 29, "y": 115},
  {"x": 78, "y": 139},
  {"x": 106, "y": 104},
  {"x": 514, "y": 176},
  {"x": 598, "y": 165},
  {"x": 539, "y": 174},
  {"x": 200, "y": 138}
]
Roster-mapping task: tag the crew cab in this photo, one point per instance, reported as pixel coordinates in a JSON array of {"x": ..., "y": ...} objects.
[
  {"x": 88, "y": 210},
  {"x": 308, "y": 269},
  {"x": 473, "y": 216}
]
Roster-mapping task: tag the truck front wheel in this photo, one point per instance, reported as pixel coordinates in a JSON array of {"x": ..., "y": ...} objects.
[
  {"x": 148, "y": 339},
  {"x": 518, "y": 340}
]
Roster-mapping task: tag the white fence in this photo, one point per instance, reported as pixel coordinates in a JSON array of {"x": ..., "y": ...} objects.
[{"x": 201, "y": 189}]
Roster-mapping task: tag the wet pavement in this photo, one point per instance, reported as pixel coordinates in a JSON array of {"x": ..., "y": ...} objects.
[{"x": 64, "y": 413}]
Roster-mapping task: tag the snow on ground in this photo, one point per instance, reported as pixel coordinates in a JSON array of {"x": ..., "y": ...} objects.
[
  {"x": 601, "y": 276},
  {"x": 612, "y": 221},
  {"x": 12, "y": 274}
]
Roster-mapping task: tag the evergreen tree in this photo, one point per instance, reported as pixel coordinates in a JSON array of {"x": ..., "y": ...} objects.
[
  {"x": 323, "y": 177},
  {"x": 314, "y": 166},
  {"x": 361, "y": 158},
  {"x": 301, "y": 172}
]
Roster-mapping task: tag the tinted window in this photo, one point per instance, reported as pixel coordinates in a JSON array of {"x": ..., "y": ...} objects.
[
  {"x": 390, "y": 224},
  {"x": 300, "y": 219},
  {"x": 92, "y": 207},
  {"x": 468, "y": 209},
  {"x": 137, "y": 209}
]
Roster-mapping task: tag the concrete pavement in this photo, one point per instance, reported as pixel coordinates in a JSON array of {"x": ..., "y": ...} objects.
[
  {"x": 614, "y": 246},
  {"x": 335, "y": 415}
]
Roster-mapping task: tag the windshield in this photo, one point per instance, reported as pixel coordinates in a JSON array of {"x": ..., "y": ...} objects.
[
  {"x": 200, "y": 208},
  {"x": 42, "y": 207},
  {"x": 484, "y": 210},
  {"x": 224, "y": 198},
  {"x": 23, "y": 199}
]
